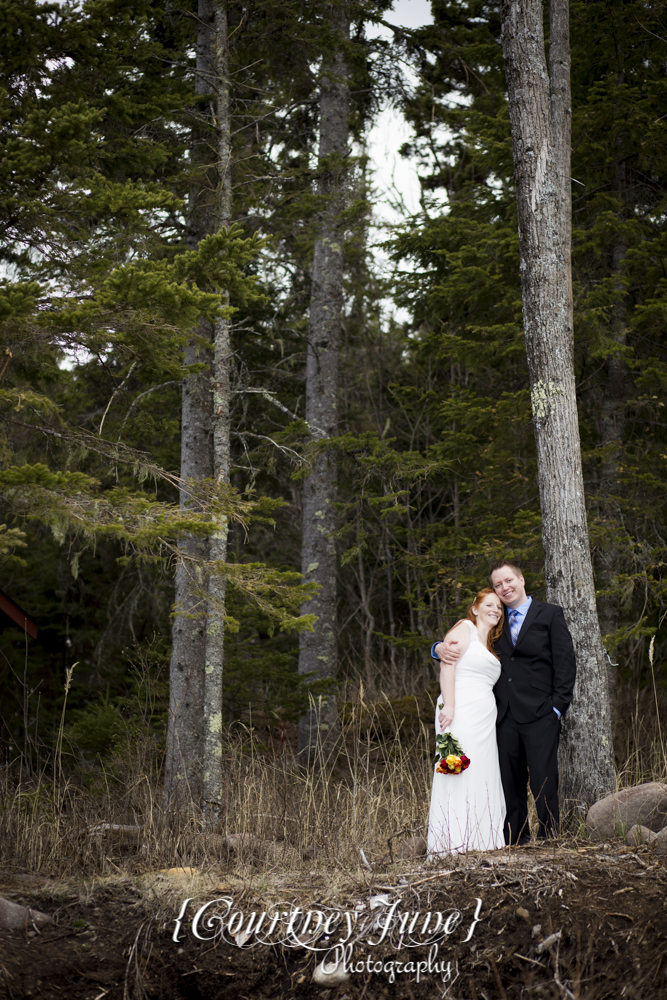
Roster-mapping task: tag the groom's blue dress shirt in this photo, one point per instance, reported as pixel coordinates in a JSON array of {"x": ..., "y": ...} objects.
[{"x": 521, "y": 613}]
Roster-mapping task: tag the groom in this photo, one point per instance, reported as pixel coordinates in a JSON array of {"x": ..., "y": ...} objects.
[{"x": 533, "y": 691}]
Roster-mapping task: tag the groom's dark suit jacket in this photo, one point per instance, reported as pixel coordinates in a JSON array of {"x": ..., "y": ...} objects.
[{"x": 539, "y": 672}]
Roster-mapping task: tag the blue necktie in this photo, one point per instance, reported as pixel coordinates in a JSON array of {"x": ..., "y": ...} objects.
[{"x": 515, "y": 625}]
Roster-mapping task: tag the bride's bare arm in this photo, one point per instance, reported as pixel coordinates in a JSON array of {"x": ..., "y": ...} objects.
[
  {"x": 447, "y": 684},
  {"x": 449, "y": 651}
]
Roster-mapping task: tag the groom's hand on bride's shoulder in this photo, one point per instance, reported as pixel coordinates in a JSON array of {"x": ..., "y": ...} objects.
[{"x": 448, "y": 651}]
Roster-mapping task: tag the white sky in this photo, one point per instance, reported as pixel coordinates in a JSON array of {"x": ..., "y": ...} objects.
[
  {"x": 395, "y": 179},
  {"x": 393, "y": 174}
]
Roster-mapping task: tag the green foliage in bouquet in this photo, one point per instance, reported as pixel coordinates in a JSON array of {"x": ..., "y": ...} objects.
[{"x": 449, "y": 754}]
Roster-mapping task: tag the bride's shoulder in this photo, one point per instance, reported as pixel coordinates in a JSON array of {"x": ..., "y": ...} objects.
[
  {"x": 467, "y": 627},
  {"x": 464, "y": 632}
]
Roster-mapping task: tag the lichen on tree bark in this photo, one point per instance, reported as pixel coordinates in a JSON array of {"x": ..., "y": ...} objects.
[{"x": 540, "y": 116}]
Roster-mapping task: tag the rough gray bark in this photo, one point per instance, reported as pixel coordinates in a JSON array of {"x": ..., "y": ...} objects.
[
  {"x": 540, "y": 123},
  {"x": 221, "y": 432},
  {"x": 317, "y": 653},
  {"x": 185, "y": 732}
]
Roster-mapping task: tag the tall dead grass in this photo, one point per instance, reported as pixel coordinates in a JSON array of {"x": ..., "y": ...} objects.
[
  {"x": 639, "y": 741},
  {"x": 78, "y": 818},
  {"x": 376, "y": 784}
]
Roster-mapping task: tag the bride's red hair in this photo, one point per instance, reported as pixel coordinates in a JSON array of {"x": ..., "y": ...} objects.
[{"x": 497, "y": 630}]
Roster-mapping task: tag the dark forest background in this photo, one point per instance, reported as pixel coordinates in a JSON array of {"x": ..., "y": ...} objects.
[{"x": 436, "y": 453}]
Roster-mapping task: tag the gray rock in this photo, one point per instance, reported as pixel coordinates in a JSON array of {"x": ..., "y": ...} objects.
[
  {"x": 637, "y": 835},
  {"x": 15, "y": 915},
  {"x": 412, "y": 847},
  {"x": 659, "y": 844},
  {"x": 644, "y": 805}
]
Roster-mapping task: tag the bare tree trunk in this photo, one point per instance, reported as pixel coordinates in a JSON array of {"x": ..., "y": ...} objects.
[
  {"x": 318, "y": 652},
  {"x": 369, "y": 621},
  {"x": 221, "y": 435},
  {"x": 540, "y": 118},
  {"x": 185, "y": 733}
]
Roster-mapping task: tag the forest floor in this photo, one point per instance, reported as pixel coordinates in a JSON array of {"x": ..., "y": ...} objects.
[{"x": 567, "y": 921}]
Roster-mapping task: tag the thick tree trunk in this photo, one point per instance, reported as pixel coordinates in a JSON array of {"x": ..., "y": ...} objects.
[
  {"x": 540, "y": 122},
  {"x": 185, "y": 732},
  {"x": 318, "y": 654},
  {"x": 221, "y": 434}
]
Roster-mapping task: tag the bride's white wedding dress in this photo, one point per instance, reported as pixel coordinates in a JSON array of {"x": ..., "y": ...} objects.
[{"x": 468, "y": 809}]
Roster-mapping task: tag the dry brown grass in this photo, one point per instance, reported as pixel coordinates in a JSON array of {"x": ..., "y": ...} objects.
[
  {"x": 337, "y": 819},
  {"x": 639, "y": 739},
  {"x": 339, "y": 815}
]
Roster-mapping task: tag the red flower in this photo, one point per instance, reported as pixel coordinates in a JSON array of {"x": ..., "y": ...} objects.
[{"x": 451, "y": 758}]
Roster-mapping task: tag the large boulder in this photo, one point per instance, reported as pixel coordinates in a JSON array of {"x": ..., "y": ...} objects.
[
  {"x": 643, "y": 805},
  {"x": 659, "y": 844}
]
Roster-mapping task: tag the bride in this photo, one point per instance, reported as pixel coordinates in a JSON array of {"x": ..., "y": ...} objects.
[{"x": 468, "y": 809}]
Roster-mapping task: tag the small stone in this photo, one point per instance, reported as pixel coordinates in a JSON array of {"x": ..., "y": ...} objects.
[
  {"x": 523, "y": 914},
  {"x": 638, "y": 834},
  {"x": 330, "y": 975},
  {"x": 549, "y": 942},
  {"x": 537, "y": 929}
]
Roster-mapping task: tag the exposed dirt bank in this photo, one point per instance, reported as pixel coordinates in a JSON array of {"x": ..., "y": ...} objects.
[{"x": 568, "y": 922}]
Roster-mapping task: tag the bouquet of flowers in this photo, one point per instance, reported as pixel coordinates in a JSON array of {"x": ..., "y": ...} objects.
[{"x": 451, "y": 758}]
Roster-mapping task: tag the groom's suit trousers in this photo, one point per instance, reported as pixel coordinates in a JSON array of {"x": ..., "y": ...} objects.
[{"x": 529, "y": 750}]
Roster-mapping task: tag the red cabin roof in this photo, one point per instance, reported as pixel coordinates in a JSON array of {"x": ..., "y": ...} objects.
[{"x": 17, "y": 615}]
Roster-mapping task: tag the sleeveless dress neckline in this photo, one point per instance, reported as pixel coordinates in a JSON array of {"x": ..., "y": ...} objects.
[{"x": 475, "y": 638}]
